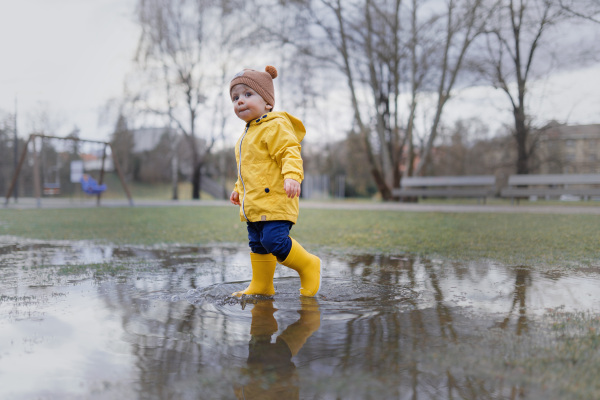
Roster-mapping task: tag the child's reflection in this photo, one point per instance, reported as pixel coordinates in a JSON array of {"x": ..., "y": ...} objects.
[{"x": 271, "y": 372}]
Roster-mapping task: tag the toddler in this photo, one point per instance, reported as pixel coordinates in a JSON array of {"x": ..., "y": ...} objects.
[{"x": 267, "y": 189}]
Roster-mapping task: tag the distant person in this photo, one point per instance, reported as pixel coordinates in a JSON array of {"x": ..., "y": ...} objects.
[{"x": 268, "y": 185}]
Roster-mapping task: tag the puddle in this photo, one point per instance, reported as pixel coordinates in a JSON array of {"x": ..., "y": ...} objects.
[{"x": 82, "y": 320}]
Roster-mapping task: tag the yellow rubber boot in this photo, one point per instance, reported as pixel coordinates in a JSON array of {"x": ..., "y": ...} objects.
[
  {"x": 308, "y": 267},
  {"x": 263, "y": 269}
]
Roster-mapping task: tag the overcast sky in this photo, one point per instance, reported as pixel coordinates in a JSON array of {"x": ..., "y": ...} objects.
[{"x": 71, "y": 56}]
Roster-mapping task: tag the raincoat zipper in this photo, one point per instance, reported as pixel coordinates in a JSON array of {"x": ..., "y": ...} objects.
[{"x": 240, "y": 171}]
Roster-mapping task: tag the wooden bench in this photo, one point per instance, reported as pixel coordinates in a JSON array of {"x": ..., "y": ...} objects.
[
  {"x": 479, "y": 186},
  {"x": 551, "y": 185}
]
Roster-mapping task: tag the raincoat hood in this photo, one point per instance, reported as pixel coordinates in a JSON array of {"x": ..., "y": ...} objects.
[{"x": 297, "y": 125}]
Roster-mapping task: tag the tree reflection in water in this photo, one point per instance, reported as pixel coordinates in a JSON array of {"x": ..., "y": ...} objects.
[
  {"x": 382, "y": 327},
  {"x": 519, "y": 300},
  {"x": 384, "y": 319}
]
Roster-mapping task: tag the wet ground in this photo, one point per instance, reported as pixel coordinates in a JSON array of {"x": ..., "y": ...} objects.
[{"x": 82, "y": 320}]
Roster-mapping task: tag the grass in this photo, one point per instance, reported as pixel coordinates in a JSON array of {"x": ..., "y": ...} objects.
[
  {"x": 99, "y": 269},
  {"x": 496, "y": 201},
  {"x": 519, "y": 239},
  {"x": 154, "y": 191}
]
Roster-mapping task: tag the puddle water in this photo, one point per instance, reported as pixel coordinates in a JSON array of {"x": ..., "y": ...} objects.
[{"x": 82, "y": 320}]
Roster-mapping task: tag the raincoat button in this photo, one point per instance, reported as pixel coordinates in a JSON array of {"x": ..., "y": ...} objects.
[{"x": 266, "y": 190}]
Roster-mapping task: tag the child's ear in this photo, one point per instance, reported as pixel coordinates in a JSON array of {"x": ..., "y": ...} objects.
[{"x": 268, "y": 106}]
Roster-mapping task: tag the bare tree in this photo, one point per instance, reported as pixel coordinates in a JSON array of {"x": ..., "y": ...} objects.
[
  {"x": 122, "y": 142},
  {"x": 170, "y": 48},
  {"x": 389, "y": 51},
  {"x": 6, "y": 149},
  {"x": 584, "y": 9},
  {"x": 460, "y": 24},
  {"x": 178, "y": 51},
  {"x": 515, "y": 42}
]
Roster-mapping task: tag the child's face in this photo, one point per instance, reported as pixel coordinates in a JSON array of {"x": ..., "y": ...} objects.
[{"x": 247, "y": 104}]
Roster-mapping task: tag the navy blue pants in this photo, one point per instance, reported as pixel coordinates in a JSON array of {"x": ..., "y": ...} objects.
[{"x": 270, "y": 237}]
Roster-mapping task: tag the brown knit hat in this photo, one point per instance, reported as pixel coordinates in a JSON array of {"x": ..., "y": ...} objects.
[{"x": 260, "y": 82}]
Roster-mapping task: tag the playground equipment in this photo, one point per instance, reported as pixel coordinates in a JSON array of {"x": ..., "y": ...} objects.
[
  {"x": 50, "y": 171},
  {"x": 89, "y": 186}
]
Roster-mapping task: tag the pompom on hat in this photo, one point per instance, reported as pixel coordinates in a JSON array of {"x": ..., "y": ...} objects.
[{"x": 260, "y": 82}]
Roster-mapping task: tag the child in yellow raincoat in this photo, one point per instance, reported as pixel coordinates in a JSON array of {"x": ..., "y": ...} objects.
[{"x": 268, "y": 186}]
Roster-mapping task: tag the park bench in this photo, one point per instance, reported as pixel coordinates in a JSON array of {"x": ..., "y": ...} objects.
[
  {"x": 551, "y": 186},
  {"x": 479, "y": 186}
]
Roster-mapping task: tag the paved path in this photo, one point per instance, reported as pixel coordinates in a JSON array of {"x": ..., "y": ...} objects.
[{"x": 539, "y": 208}]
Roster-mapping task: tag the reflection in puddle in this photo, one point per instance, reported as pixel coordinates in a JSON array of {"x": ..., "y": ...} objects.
[{"x": 163, "y": 325}]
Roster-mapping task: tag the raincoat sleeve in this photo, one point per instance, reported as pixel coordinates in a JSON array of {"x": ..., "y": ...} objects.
[
  {"x": 284, "y": 147},
  {"x": 238, "y": 185}
]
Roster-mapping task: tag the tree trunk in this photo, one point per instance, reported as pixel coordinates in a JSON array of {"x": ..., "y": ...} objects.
[
  {"x": 521, "y": 134},
  {"x": 174, "y": 176},
  {"x": 384, "y": 189},
  {"x": 196, "y": 181}
]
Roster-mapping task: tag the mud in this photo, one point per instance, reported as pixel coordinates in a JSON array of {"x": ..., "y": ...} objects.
[{"x": 83, "y": 320}]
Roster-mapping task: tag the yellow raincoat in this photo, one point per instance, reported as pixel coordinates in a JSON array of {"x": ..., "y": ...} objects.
[{"x": 267, "y": 153}]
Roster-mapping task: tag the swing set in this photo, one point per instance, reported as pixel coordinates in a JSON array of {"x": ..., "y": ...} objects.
[{"x": 52, "y": 186}]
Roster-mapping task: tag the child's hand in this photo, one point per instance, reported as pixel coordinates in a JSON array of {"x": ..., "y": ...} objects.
[
  {"x": 234, "y": 198},
  {"x": 292, "y": 188}
]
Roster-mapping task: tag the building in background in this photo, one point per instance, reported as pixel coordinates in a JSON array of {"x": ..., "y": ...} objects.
[{"x": 564, "y": 149}]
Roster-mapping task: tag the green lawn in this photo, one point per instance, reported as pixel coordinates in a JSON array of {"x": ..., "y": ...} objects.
[
  {"x": 156, "y": 191},
  {"x": 527, "y": 239}
]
